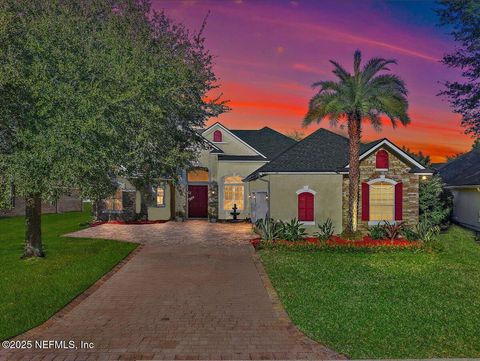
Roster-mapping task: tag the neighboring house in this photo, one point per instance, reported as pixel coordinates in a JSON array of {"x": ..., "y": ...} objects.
[
  {"x": 266, "y": 174},
  {"x": 66, "y": 203},
  {"x": 462, "y": 177}
]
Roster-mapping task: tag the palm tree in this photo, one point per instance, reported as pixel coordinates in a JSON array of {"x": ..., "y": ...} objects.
[{"x": 352, "y": 98}]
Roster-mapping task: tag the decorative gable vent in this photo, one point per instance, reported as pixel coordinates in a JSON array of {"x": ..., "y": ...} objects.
[
  {"x": 217, "y": 136},
  {"x": 381, "y": 159}
]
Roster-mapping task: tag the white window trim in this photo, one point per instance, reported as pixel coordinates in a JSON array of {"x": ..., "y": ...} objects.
[
  {"x": 384, "y": 180},
  {"x": 222, "y": 195},
  {"x": 306, "y": 189},
  {"x": 309, "y": 223},
  {"x": 164, "y": 187}
]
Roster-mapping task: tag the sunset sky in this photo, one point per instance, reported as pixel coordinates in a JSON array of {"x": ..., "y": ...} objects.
[{"x": 268, "y": 53}]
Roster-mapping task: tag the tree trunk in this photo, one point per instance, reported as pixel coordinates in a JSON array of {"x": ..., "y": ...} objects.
[
  {"x": 354, "y": 134},
  {"x": 33, "y": 231},
  {"x": 145, "y": 201}
]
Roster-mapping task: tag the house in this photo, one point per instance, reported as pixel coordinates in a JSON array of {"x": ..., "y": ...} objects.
[
  {"x": 462, "y": 177},
  {"x": 65, "y": 203},
  {"x": 266, "y": 174}
]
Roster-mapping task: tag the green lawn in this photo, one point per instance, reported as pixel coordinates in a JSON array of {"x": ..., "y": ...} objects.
[
  {"x": 33, "y": 290},
  {"x": 385, "y": 305}
]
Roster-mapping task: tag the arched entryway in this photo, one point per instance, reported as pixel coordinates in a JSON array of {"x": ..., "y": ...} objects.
[{"x": 197, "y": 179}]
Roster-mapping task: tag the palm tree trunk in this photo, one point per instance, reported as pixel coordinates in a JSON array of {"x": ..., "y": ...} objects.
[
  {"x": 354, "y": 134},
  {"x": 33, "y": 231}
]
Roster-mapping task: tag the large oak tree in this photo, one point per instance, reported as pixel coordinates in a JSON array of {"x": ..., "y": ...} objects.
[{"x": 81, "y": 95}]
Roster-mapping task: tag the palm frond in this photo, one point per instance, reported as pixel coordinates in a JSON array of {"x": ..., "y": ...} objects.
[
  {"x": 375, "y": 65},
  {"x": 339, "y": 71},
  {"x": 357, "y": 59}
]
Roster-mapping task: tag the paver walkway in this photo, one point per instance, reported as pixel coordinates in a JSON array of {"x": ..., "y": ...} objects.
[{"x": 194, "y": 291}]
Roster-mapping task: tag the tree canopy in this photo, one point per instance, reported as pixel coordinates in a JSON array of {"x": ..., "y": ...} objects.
[
  {"x": 462, "y": 18},
  {"x": 93, "y": 89}
]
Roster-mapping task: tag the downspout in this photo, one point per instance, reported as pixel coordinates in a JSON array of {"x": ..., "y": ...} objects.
[{"x": 268, "y": 191}]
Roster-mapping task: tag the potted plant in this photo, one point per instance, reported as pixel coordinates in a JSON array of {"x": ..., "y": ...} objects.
[{"x": 179, "y": 216}]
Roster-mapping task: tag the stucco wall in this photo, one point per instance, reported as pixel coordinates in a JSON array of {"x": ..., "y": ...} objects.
[
  {"x": 327, "y": 201},
  {"x": 241, "y": 169},
  {"x": 466, "y": 207},
  {"x": 399, "y": 172}
]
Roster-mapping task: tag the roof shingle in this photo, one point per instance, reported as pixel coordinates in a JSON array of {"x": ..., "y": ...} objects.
[{"x": 463, "y": 171}]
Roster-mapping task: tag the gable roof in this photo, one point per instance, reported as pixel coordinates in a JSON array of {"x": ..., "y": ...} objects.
[
  {"x": 267, "y": 141},
  {"x": 217, "y": 124},
  {"x": 463, "y": 171},
  {"x": 325, "y": 151}
]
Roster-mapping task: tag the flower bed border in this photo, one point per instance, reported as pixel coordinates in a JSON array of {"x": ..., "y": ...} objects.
[{"x": 336, "y": 242}]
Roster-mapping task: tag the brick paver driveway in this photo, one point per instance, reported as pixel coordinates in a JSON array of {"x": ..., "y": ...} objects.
[{"x": 194, "y": 291}]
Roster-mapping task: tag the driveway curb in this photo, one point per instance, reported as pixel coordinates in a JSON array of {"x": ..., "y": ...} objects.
[{"x": 283, "y": 315}]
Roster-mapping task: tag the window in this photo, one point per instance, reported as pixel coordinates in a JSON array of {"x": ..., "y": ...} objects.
[
  {"x": 197, "y": 175},
  {"x": 160, "y": 192},
  {"x": 115, "y": 203},
  {"x": 217, "y": 136},
  {"x": 382, "y": 200},
  {"x": 233, "y": 193},
  {"x": 381, "y": 161},
  {"x": 305, "y": 207}
]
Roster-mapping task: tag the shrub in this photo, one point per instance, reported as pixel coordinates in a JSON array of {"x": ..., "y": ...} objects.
[
  {"x": 435, "y": 201},
  {"x": 426, "y": 231},
  {"x": 325, "y": 230},
  {"x": 377, "y": 232},
  {"x": 392, "y": 230},
  {"x": 410, "y": 234},
  {"x": 292, "y": 231},
  {"x": 268, "y": 229}
]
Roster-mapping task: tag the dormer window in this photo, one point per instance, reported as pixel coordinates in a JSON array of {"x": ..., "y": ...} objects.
[
  {"x": 381, "y": 159},
  {"x": 217, "y": 136}
]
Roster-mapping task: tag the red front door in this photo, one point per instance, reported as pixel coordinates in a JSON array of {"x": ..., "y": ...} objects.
[{"x": 197, "y": 201}]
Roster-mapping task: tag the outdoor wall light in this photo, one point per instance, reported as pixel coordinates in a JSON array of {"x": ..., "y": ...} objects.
[{"x": 424, "y": 177}]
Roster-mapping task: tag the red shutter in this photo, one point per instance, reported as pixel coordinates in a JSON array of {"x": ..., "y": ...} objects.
[
  {"x": 217, "y": 136},
  {"x": 305, "y": 207},
  {"x": 398, "y": 201},
  {"x": 365, "y": 202},
  {"x": 381, "y": 161}
]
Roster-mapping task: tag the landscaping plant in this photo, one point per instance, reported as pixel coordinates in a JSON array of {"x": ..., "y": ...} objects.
[
  {"x": 392, "y": 230},
  {"x": 268, "y": 229},
  {"x": 435, "y": 201},
  {"x": 377, "y": 232},
  {"x": 409, "y": 234},
  {"x": 325, "y": 230},
  {"x": 426, "y": 231},
  {"x": 292, "y": 231}
]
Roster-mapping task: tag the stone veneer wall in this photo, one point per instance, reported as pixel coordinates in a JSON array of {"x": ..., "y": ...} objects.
[
  {"x": 213, "y": 199},
  {"x": 398, "y": 171}
]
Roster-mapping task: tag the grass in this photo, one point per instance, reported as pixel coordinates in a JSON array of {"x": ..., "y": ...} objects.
[
  {"x": 385, "y": 305},
  {"x": 31, "y": 291}
]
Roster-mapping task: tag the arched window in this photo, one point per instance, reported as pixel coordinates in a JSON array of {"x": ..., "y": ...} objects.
[
  {"x": 382, "y": 159},
  {"x": 217, "y": 136},
  {"x": 197, "y": 175},
  {"x": 305, "y": 207},
  {"x": 233, "y": 193}
]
